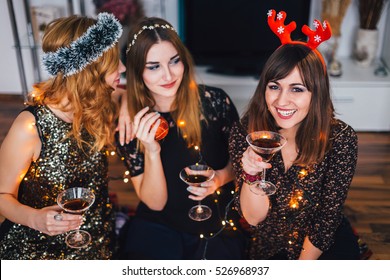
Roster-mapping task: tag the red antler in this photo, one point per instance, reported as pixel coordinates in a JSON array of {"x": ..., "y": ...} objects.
[
  {"x": 320, "y": 34},
  {"x": 316, "y": 36},
  {"x": 279, "y": 28}
]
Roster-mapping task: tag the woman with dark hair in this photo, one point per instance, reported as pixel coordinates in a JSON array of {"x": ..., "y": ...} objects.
[
  {"x": 59, "y": 141},
  {"x": 303, "y": 219},
  {"x": 161, "y": 83}
]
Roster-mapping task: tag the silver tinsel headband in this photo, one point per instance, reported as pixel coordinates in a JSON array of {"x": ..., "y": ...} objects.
[
  {"x": 150, "y": 27},
  {"x": 98, "y": 39}
]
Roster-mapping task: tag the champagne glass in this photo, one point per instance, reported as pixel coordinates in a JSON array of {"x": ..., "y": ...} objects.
[
  {"x": 76, "y": 201},
  {"x": 194, "y": 175},
  {"x": 265, "y": 144}
]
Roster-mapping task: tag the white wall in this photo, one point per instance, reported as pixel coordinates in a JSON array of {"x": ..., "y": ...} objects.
[
  {"x": 9, "y": 76},
  {"x": 350, "y": 25},
  {"x": 9, "y": 72},
  {"x": 386, "y": 39}
]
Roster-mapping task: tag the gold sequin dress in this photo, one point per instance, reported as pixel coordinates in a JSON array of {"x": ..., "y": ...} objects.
[{"x": 61, "y": 164}]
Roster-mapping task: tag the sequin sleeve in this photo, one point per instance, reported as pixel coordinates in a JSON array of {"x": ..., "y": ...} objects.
[
  {"x": 341, "y": 164},
  {"x": 237, "y": 146},
  {"x": 132, "y": 158},
  {"x": 217, "y": 105}
]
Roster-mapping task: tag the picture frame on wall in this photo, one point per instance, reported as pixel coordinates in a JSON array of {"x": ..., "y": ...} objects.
[{"x": 41, "y": 16}]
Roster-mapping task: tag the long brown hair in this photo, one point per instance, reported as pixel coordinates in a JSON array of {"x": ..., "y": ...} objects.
[
  {"x": 87, "y": 92},
  {"x": 313, "y": 135},
  {"x": 186, "y": 106}
]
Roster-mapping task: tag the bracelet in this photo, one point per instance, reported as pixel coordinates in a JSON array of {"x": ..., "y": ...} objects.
[{"x": 250, "y": 179}]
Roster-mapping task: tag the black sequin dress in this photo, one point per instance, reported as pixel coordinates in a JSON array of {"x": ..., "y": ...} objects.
[
  {"x": 308, "y": 202},
  {"x": 61, "y": 165}
]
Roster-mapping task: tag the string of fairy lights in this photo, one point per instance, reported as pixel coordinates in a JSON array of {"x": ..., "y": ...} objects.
[
  {"x": 298, "y": 201},
  {"x": 226, "y": 223}
]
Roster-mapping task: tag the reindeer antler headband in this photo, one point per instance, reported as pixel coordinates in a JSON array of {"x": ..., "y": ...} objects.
[{"x": 321, "y": 33}]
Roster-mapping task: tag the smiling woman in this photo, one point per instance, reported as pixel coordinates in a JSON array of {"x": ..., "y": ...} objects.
[
  {"x": 303, "y": 219},
  {"x": 313, "y": 171},
  {"x": 69, "y": 119},
  {"x": 161, "y": 82}
]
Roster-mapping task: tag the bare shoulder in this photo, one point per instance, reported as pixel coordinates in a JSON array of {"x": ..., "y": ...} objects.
[
  {"x": 23, "y": 136},
  {"x": 20, "y": 146},
  {"x": 24, "y": 127}
]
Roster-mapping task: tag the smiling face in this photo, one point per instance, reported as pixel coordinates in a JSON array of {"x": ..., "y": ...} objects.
[
  {"x": 163, "y": 71},
  {"x": 288, "y": 100}
]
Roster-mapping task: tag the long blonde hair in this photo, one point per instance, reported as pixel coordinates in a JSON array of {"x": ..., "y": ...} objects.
[
  {"x": 87, "y": 92},
  {"x": 186, "y": 107}
]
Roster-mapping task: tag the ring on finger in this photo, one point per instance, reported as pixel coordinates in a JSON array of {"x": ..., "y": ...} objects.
[{"x": 58, "y": 217}]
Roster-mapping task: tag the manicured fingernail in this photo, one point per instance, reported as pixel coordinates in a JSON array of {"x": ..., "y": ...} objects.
[{"x": 189, "y": 188}]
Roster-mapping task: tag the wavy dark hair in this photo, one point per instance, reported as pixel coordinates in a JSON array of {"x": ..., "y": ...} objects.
[{"x": 313, "y": 135}]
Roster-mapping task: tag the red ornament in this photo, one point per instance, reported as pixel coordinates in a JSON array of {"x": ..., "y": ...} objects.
[{"x": 162, "y": 129}]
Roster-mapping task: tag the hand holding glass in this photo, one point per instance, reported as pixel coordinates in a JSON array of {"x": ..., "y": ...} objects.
[
  {"x": 265, "y": 144},
  {"x": 195, "y": 175},
  {"x": 76, "y": 201}
]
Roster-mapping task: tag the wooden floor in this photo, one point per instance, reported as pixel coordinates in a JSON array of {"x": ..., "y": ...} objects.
[{"x": 368, "y": 202}]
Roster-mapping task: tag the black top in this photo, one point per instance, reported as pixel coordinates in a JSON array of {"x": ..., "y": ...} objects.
[
  {"x": 309, "y": 200},
  {"x": 220, "y": 114}
]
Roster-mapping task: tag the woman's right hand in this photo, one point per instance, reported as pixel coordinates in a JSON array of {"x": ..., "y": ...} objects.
[
  {"x": 143, "y": 130},
  {"x": 44, "y": 221},
  {"x": 252, "y": 163}
]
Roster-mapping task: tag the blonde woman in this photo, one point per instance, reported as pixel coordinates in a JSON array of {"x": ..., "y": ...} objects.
[{"x": 58, "y": 142}]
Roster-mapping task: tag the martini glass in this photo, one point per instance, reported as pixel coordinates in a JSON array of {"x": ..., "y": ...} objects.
[
  {"x": 76, "y": 201},
  {"x": 194, "y": 175},
  {"x": 265, "y": 144}
]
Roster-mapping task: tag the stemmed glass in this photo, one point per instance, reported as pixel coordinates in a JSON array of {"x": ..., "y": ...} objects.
[
  {"x": 194, "y": 175},
  {"x": 265, "y": 144},
  {"x": 76, "y": 201}
]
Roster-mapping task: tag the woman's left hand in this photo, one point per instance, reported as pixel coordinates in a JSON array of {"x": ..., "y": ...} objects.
[{"x": 205, "y": 189}]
